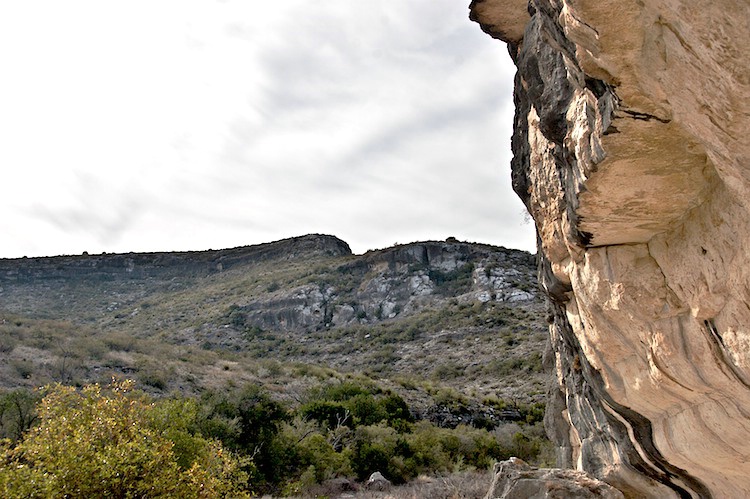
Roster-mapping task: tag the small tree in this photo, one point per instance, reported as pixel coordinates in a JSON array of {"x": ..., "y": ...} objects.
[
  {"x": 247, "y": 421},
  {"x": 17, "y": 413}
]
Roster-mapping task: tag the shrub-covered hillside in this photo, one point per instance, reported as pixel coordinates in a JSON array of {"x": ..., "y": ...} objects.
[{"x": 450, "y": 334}]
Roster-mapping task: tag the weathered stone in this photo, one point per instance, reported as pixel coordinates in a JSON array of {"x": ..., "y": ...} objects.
[
  {"x": 395, "y": 281},
  {"x": 630, "y": 153},
  {"x": 514, "y": 479},
  {"x": 500, "y": 20},
  {"x": 378, "y": 482}
]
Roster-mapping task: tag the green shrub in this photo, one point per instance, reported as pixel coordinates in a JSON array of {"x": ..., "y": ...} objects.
[
  {"x": 24, "y": 368},
  {"x": 341, "y": 392},
  {"x": 528, "y": 442},
  {"x": 120, "y": 341},
  {"x": 97, "y": 443},
  {"x": 7, "y": 343},
  {"x": 153, "y": 378},
  {"x": 515, "y": 365},
  {"x": 247, "y": 421},
  {"x": 447, "y": 371},
  {"x": 450, "y": 398},
  {"x": 17, "y": 413},
  {"x": 316, "y": 454},
  {"x": 396, "y": 409},
  {"x": 373, "y": 448},
  {"x": 327, "y": 413},
  {"x": 366, "y": 409},
  {"x": 533, "y": 413}
]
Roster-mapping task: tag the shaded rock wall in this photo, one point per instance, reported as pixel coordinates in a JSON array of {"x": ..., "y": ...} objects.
[{"x": 630, "y": 154}]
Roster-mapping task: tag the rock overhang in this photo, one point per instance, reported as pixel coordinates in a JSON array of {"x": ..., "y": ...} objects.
[{"x": 629, "y": 152}]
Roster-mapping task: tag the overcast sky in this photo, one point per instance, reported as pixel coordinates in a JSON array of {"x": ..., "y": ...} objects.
[{"x": 159, "y": 125}]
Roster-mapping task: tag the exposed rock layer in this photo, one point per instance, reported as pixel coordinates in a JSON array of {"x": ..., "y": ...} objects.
[
  {"x": 164, "y": 265},
  {"x": 630, "y": 153},
  {"x": 514, "y": 479}
]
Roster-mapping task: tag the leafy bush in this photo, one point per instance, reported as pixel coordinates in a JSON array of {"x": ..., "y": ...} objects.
[
  {"x": 24, "y": 368},
  {"x": 353, "y": 405},
  {"x": 426, "y": 449},
  {"x": 515, "y": 365},
  {"x": 396, "y": 409},
  {"x": 366, "y": 409},
  {"x": 528, "y": 442},
  {"x": 327, "y": 413},
  {"x": 318, "y": 457},
  {"x": 247, "y": 421},
  {"x": 115, "y": 443},
  {"x": 450, "y": 398},
  {"x": 374, "y": 448},
  {"x": 341, "y": 391}
]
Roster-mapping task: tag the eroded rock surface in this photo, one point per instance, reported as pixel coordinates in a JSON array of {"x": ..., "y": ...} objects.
[
  {"x": 514, "y": 479},
  {"x": 630, "y": 153}
]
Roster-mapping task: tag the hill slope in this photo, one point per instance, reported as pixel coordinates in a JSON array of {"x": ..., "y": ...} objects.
[{"x": 448, "y": 325}]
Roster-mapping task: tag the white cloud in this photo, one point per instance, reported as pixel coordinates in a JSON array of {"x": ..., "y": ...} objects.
[{"x": 142, "y": 125}]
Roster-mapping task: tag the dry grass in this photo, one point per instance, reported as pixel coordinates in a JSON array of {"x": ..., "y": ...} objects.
[{"x": 459, "y": 485}]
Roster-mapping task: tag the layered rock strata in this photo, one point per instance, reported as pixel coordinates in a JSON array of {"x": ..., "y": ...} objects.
[{"x": 630, "y": 154}]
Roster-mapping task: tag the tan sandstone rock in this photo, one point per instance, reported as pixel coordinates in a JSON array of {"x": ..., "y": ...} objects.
[
  {"x": 514, "y": 479},
  {"x": 630, "y": 153}
]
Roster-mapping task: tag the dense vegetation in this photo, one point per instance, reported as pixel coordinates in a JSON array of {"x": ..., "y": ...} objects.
[
  {"x": 116, "y": 443},
  {"x": 120, "y": 442}
]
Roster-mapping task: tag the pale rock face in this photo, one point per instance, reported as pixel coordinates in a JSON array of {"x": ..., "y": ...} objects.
[
  {"x": 343, "y": 314},
  {"x": 405, "y": 279},
  {"x": 420, "y": 284},
  {"x": 499, "y": 284},
  {"x": 630, "y": 152},
  {"x": 515, "y": 479}
]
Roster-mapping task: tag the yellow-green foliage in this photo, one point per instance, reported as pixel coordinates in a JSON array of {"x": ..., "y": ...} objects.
[
  {"x": 317, "y": 453},
  {"x": 116, "y": 443}
]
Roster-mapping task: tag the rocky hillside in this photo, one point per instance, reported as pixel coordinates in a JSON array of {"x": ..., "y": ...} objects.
[
  {"x": 630, "y": 153},
  {"x": 458, "y": 329}
]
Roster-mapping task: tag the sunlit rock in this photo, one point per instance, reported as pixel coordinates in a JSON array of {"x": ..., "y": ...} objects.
[{"x": 630, "y": 153}]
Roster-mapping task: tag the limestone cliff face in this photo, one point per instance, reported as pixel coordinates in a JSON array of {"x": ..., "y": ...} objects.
[
  {"x": 630, "y": 153},
  {"x": 402, "y": 280}
]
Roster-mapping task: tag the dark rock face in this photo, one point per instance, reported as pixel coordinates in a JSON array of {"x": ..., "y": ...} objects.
[{"x": 165, "y": 265}]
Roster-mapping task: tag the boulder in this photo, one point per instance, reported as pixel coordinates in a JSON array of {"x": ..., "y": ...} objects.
[
  {"x": 378, "y": 482},
  {"x": 515, "y": 479}
]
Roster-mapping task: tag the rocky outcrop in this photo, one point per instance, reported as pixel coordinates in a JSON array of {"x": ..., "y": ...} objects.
[
  {"x": 165, "y": 265},
  {"x": 514, "y": 479},
  {"x": 402, "y": 280},
  {"x": 630, "y": 154}
]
